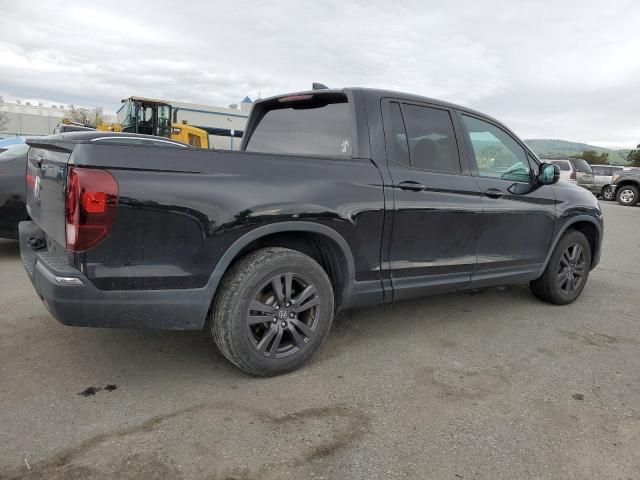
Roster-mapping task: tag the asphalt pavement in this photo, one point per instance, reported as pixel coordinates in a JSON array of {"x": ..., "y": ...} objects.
[{"x": 487, "y": 384}]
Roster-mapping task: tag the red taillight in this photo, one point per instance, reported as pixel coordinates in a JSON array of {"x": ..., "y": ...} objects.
[
  {"x": 31, "y": 182},
  {"x": 90, "y": 207},
  {"x": 573, "y": 175}
]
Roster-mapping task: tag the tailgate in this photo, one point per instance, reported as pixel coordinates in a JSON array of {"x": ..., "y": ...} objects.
[{"x": 46, "y": 182}]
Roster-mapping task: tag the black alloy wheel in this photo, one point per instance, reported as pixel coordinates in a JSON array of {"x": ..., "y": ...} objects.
[
  {"x": 566, "y": 272},
  {"x": 273, "y": 310},
  {"x": 283, "y": 315},
  {"x": 572, "y": 267}
]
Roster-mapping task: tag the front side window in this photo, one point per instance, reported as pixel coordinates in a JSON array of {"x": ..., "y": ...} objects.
[
  {"x": 307, "y": 126},
  {"x": 497, "y": 154},
  {"x": 432, "y": 142}
]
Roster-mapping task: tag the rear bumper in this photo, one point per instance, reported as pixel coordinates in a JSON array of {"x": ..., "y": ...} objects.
[{"x": 73, "y": 300}]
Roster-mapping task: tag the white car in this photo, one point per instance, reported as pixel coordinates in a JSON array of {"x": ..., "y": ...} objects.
[
  {"x": 567, "y": 172},
  {"x": 576, "y": 171}
]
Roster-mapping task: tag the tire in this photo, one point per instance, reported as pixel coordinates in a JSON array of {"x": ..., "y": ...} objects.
[
  {"x": 607, "y": 193},
  {"x": 556, "y": 285},
  {"x": 627, "y": 195},
  {"x": 297, "y": 314}
]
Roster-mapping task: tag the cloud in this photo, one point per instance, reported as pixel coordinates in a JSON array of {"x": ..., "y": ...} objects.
[{"x": 548, "y": 69}]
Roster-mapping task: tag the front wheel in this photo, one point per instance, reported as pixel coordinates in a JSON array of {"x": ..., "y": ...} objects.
[
  {"x": 627, "y": 195},
  {"x": 607, "y": 193},
  {"x": 567, "y": 271},
  {"x": 273, "y": 311}
]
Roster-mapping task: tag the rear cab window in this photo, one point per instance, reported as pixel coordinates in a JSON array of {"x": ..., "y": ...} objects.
[{"x": 321, "y": 124}]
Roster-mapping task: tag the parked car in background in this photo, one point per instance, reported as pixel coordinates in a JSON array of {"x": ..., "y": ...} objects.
[
  {"x": 567, "y": 172},
  {"x": 626, "y": 186},
  {"x": 7, "y": 143},
  {"x": 13, "y": 164},
  {"x": 602, "y": 178},
  {"x": 339, "y": 198},
  {"x": 575, "y": 170}
]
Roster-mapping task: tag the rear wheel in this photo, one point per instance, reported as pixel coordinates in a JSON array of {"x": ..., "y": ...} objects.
[
  {"x": 273, "y": 310},
  {"x": 607, "y": 193},
  {"x": 567, "y": 271},
  {"x": 627, "y": 195}
]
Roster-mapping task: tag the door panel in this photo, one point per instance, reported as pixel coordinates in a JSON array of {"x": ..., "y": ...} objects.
[
  {"x": 518, "y": 214},
  {"x": 516, "y": 231},
  {"x": 433, "y": 241},
  {"x": 436, "y": 215}
]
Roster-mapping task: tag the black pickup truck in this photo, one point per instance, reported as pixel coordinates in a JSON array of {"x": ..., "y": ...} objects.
[{"x": 338, "y": 198}]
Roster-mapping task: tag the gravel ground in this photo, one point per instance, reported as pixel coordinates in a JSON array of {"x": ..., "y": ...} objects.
[{"x": 482, "y": 384}]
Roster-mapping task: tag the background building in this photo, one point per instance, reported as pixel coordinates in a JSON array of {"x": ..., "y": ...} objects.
[
  {"x": 225, "y": 125},
  {"x": 27, "y": 119}
]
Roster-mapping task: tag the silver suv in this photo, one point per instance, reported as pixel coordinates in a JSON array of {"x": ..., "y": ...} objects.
[{"x": 602, "y": 179}]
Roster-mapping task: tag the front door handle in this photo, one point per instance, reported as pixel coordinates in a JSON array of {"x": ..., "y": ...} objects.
[
  {"x": 413, "y": 186},
  {"x": 494, "y": 193}
]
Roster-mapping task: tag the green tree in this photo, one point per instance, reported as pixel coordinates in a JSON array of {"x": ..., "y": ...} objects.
[
  {"x": 633, "y": 157},
  {"x": 593, "y": 158}
]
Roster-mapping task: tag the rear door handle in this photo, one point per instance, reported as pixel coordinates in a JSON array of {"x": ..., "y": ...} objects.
[
  {"x": 413, "y": 186},
  {"x": 494, "y": 193}
]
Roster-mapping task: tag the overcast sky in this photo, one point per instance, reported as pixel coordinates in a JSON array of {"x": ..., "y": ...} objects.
[{"x": 549, "y": 69}]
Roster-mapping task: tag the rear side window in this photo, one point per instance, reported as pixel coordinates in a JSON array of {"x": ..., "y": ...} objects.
[
  {"x": 311, "y": 126},
  {"x": 396, "y": 135},
  {"x": 581, "y": 165},
  {"x": 432, "y": 142},
  {"x": 600, "y": 170}
]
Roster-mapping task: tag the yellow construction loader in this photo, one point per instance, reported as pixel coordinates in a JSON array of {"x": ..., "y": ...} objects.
[{"x": 154, "y": 117}]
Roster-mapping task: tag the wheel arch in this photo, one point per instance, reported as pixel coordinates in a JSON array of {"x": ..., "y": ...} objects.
[
  {"x": 627, "y": 182},
  {"x": 591, "y": 229},
  {"x": 321, "y": 242}
]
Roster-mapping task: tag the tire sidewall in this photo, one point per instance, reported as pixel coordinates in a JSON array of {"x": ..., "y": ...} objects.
[
  {"x": 297, "y": 264},
  {"x": 607, "y": 194}
]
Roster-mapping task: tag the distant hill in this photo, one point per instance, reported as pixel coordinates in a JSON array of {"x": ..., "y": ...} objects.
[{"x": 562, "y": 148}]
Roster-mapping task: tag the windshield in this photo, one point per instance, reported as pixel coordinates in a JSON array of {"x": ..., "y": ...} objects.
[{"x": 125, "y": 116}]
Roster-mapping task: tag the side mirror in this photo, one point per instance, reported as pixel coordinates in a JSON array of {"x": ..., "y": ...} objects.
[{"x": 548, "y": 173}]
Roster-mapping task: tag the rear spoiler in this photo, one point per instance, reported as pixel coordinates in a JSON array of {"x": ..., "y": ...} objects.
[{"x": 53, "y": 142}]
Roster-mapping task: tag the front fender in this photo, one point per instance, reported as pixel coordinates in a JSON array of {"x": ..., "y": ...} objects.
[{"x": 595, "y": 256}]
